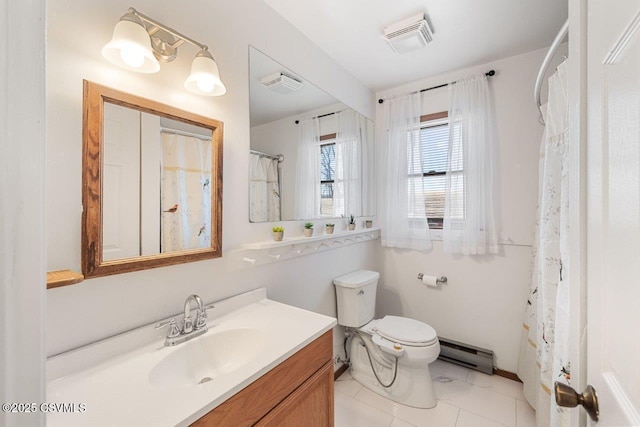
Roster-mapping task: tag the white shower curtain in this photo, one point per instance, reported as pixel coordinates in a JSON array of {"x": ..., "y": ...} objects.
[
  {"x": 264, "y": 189},
  {"x": 544, "y": 353},
  {"x": 405, "y": 221},
  {"x": 469, "y": 226},
  {"x": 185, "y": 193},
  {"x": 307, "y": 200}
]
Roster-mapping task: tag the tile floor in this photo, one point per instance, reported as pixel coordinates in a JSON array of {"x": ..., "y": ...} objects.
[{"x": 466, "y": 398}]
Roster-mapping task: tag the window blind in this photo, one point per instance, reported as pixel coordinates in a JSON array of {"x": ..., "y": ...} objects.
[{"x": 434, "y": 144}]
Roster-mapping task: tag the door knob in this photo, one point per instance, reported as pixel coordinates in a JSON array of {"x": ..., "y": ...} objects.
[{"x": 567, "y": 397}]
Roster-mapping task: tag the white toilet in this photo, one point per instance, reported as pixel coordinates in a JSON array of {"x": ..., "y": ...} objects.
[{"x": 389, "y": 356}]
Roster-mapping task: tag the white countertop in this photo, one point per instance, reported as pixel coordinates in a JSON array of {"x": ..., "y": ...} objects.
[{"x": 111, "y": 377}]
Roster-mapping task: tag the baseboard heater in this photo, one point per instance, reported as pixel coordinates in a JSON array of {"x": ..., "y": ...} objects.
[{"x": 466, "y": 355}]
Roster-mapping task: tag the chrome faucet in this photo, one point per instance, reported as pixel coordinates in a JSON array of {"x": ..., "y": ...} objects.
[
  {"x": 189, "y": 330},
  {"x": 188, "y": 326}
]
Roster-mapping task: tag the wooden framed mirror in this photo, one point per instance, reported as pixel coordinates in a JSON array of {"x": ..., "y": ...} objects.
[{"x": 151, "y": 184}]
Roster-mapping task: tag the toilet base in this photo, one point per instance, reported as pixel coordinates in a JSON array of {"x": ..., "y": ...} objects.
[{"x": 413, "y": 385}]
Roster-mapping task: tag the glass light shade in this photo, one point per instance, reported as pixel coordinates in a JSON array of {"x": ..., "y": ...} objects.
[
  {"x": 130, "y": 48},
  {"x": 205, "y": 77}
]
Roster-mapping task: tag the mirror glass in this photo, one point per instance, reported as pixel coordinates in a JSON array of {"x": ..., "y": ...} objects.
[
  {"x": 311, "y": 156},
  {"x": 150, "y": 174},
  {"x": 156, "y": 189}
]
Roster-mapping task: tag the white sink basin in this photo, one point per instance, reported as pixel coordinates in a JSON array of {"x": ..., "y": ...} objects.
[{"x": 204, "y": 359}]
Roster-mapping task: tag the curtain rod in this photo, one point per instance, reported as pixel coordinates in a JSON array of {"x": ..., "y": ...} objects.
[
  {"x": 278, "y": 157},
  {"x": 323, "y": 115},
  {"x": 545, "y": 66},
  {"x": 183, "y": 133},
  {"x": 489, "y": 73}
]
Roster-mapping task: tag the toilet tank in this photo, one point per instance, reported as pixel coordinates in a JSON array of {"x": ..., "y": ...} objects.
[{"x": 356, "y": 297}]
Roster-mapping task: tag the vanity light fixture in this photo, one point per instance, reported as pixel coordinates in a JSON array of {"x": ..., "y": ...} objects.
[{"x": 140, "y": 43}]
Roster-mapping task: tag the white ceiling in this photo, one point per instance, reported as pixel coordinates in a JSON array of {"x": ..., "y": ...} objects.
[{"x": 466, "y": 32}]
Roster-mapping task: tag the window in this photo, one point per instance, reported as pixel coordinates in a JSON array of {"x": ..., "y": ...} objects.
[
  {"x": 434, "y": 144},
  {"x": 327, "y": 177}
]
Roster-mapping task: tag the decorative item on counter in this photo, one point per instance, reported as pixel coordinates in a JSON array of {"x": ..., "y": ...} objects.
[
  {"x": 352, "y": 223},
  {"x": 308, "y": 229},
  {"x": 329, "y": 228},
  {"x": 368, "y": 223},
  {"x": 278, "y": 233}
]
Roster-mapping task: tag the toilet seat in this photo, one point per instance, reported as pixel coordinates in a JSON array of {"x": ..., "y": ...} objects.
[{"x": 406, "y": 331}]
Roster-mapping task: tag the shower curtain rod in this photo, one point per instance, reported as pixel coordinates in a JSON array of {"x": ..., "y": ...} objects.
[
  {"x": 545, "y": 66},
  {"x": 489, "y": 73},
  {"x": 183, "y": 133},
  {"x": 278, "y": 157}
]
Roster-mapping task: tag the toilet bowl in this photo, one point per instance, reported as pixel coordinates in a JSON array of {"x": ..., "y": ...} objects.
[{"x": 389, "y": 356}]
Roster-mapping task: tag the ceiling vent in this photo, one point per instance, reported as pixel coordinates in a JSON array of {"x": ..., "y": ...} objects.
[
  {"x": 410, "y": 34},
  {"x": 281, "y": 83}
]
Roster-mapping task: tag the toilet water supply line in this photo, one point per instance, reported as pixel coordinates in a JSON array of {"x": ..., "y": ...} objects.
[{"x": 364, "y": 343}]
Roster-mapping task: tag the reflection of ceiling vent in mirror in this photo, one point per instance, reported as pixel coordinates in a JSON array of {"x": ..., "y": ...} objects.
[
  {"x": 281, "y": 83},
  {"x": 410, "y": 34}
]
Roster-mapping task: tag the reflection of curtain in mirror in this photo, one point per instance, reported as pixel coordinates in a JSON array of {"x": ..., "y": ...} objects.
[
  {"x": 264, "y": 189},
  {"x": 352, "y": 153},
  {"x": 185, "y": 192},
  {"x": 307, "y": 200}
]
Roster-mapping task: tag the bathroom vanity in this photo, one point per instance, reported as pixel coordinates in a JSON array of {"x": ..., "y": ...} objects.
[
  {"x": 299, "y": 391},
  {"x": 260, "y": 363}
]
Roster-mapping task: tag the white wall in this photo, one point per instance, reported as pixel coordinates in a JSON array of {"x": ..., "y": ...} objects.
[
  {"x": 101, "y": 307},
  {"x": 483, "y": 302}
]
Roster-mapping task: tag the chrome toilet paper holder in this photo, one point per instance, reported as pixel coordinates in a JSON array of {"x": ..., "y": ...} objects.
[{"x": 439, "y": 280}]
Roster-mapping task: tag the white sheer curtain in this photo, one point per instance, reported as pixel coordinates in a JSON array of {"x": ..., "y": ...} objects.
[
  {"x": 186, "y": 192},
  {"x": 350, "y": 148},
  {"x": 405, "y": 222},
  {"x": 307, "y": 198},
  {"x": 264, "y": 189},
  {"x": 544, "y": 353},
  {"x": 469, "y": 227}
]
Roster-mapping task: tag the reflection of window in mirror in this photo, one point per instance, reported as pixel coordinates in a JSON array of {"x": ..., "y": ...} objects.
[
  {"x": 295, "y": 189},
  {"x": 333, "y": 170},
  {"x": 328, "y": 205}
]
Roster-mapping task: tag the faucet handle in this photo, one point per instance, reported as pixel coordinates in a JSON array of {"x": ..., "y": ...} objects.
[
  {"x": 173, "y": 331},
  {"x": 201, "y": 316},
  {"x": 201, "y": 319}
]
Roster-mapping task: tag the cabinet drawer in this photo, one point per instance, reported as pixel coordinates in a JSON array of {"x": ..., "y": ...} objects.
[{"x": 311, "y": 405}]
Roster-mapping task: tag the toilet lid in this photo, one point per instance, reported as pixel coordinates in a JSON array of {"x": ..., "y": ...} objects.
[{"x": 406, "y": 331}]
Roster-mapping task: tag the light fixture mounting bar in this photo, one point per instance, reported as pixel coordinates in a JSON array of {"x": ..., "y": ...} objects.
[{"x": 181, "y": 37}]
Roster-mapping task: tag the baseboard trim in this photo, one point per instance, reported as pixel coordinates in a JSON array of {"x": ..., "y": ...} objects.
[
  {"x": 341, "y": 370},
  {"x": 499, "y": 372},
  {"x": 506, "y": 374}
]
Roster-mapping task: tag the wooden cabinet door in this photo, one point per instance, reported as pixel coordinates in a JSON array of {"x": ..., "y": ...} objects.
[{"x": 311, "y": 405}]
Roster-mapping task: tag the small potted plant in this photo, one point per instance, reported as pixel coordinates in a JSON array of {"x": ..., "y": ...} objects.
[
  {"x": 278, "y": 233},
  {"x": 308, "y": 229},
  {"x": 368, "y": 223},
  {"x": 352, "y": 223},
  {"x": 329, "y": 228}
]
